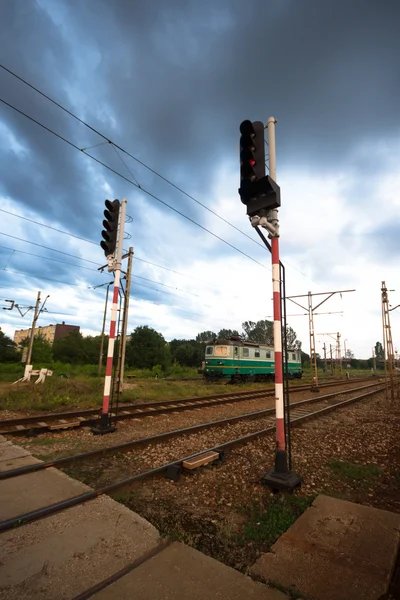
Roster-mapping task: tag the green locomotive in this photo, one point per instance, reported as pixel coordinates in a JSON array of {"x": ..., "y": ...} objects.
[{"x": 240, "y": 361}]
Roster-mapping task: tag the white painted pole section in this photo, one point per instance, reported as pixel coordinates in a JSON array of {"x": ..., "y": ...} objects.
[
  {"x": 274, "y": 220},
  {"x": 114, "y": 309}
]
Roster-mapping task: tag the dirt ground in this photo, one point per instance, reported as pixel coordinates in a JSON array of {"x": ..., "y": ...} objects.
[{"x": 224, "y": 511}]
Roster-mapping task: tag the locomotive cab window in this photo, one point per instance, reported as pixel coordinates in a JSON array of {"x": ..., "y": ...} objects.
[
  {"x": 245, "y": 352},
  {"x": 209, "y": 350},
  {"x": 257, "y": 354},
  {"x": 235, "y": 351},
  {"x": 293, "y": 356},
  {"x": 221, "y": 351},
  {"x": 268, "y": 354}
]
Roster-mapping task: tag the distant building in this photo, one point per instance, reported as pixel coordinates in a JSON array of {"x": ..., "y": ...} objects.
[{"x": 51, "y": 333}]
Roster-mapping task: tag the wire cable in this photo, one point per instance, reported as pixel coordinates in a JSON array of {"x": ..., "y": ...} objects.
[
  {"x": 116, "y": 146},
  {"x": 59, "y": 136}
]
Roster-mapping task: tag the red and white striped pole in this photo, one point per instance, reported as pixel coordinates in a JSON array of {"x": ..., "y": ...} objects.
[
  {"x": 105, "y": 424},
  {"x": 273, "y": 219},
  {"x": 280, "y": 477}
]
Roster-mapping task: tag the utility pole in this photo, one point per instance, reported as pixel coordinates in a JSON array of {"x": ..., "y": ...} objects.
[
  {"x": 325, "y": 361},
  {"x": 126, "y": 315},
  {"x": 332, "y": 365},
  {"x": 102, "y": 331},
  {"x": 387, "y": 341},
  {"x": 338, "y": 356},
  {"x": 339, "y": 353},
  {"x": 373, "y": 360},
  {"x": 36, "y": 314},
  {"x": 311, "y": 312}
]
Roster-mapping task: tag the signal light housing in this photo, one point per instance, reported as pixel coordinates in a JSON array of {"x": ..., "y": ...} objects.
[
  {"x": 257, "y": 190},
  {"x": 110, "y": 224}
]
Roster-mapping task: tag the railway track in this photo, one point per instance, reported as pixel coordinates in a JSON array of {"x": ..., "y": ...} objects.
[
  {"x": 34, "y": 425},
  {"x": 300, "y": 412}
]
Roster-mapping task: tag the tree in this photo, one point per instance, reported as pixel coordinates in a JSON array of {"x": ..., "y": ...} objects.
[
  {"x": 261, "y": 332},
  {"x": 292, "y": 341},
  {"x": 379, "y": 352},
  {"x": 8, "y": 350},
  {"x": 74, "y": 348},
  {"x": 205, "y": 336},
  {"x": 227, "y": 333},
  {"x": 349, "y": 355},
  {"x": 42, "y": 351},
  {"x": 147, "y": 348}
]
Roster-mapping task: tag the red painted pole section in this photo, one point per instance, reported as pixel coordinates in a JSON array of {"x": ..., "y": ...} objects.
[
  {"x": 111, "y": 342},
  {"x": 280, "y": 423}
]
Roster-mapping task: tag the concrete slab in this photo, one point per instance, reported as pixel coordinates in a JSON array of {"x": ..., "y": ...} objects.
[
  {"x": 35, "y": 490},
  {"x": 15, "y": 463},
  {"x": 9, "y": 451},
  {"x": 63, "y": 555},
  {"x": 336, "y": 550},
  {"x": 180, "y": 572}
]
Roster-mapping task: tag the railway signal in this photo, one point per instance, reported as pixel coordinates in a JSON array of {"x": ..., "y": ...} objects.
[
  {"x": 257, "y": 191},
  {"x": 110, "y": 224}
]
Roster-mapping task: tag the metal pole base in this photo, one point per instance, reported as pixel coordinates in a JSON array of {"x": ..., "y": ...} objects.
[
  {"x": 280, "y": 478},
  {"x": 104, "y": 425}
]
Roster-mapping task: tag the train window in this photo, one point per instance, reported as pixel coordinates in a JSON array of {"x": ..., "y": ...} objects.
[
  {"x": 268, "y": 354},
  {"x": 257, "y": 354},
  {"x": 245, "y": 352},
  {"x": 236, "y": 351},
  {"x": 209, "y": 350},
  {"x": 293, "y": 356},
  {"x": 221, "y": 350}
]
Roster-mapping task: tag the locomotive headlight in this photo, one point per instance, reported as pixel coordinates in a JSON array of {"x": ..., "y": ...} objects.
[
  {"x": 220, "y": 362},
  {"x": 207, "y": 362}
]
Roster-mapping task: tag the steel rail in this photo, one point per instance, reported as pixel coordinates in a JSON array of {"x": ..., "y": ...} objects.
[
  {"x": 42, "y": 423},
  {"x": 59, "y": 462},
  {"x": 25, "y": 518}
]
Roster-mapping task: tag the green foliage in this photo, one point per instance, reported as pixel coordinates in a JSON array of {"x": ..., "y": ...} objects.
[
  {"x": 379, "y": 352},
  {"x": 8, "y": 350},
  {"x": 227, "y": 333},
  {"x": 267, "y": 525},
  {"x": 75, "y": 348},
  {"x": 364, "y": 474},
  {"x": 205, "y": 336},
  {"x": 42, "y": 351},
  {"x": 54, "y": 394},
  {"x": 147, "y": 348},
  {"x": 262, "y": 332}
]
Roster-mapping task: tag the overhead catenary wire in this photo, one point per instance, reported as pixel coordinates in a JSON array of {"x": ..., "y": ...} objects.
[
  {"x": 96, "y": 270},
  {"x": 90, "y": 242},
  {"x": 116, "y": 146},
  {"x": 147, "y": 192}
]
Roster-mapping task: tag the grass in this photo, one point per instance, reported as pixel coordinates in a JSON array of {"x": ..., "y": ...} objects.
[
  {"x": 364, "y": 474},
  {"x": 58, "y": 394},
  {"x": 267, "y": 525}
]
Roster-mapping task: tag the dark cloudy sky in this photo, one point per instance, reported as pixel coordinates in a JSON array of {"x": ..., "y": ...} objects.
[{"x": 170, "y": 82}]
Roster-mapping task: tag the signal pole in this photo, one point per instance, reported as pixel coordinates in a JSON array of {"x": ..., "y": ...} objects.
[
  {"x": 113, "y": 232},
  {"x": 261, "y": 194},
  {"x": 102, "y": 331},
  {"x": 332, "y": 364},
  {"x": 126, "y": 314},
  {"x": 311, "y": 312}
]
